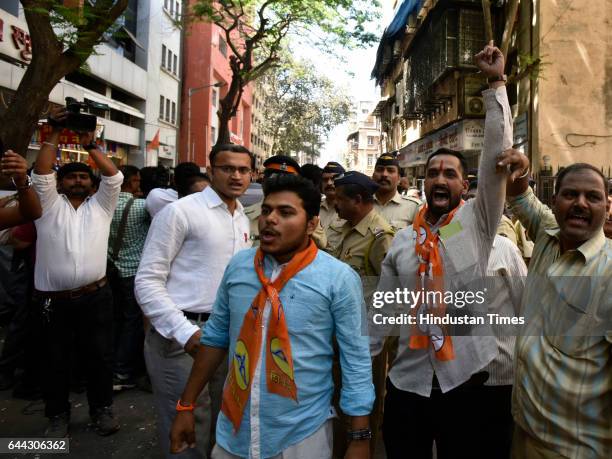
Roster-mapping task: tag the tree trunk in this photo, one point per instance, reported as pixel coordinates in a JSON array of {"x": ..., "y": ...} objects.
[
  {"x": 509, "y": 26},
  {"x": 227, "y": 108},
  {"x": 486, "y": 10},
  {"x": 18, "y": 123}
]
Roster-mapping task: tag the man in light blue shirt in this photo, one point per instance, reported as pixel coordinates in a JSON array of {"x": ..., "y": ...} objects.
[{"x": 321, "y": 300}]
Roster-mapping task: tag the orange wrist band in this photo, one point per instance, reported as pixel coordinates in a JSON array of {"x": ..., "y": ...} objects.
[{"x": 180, "y": 407}]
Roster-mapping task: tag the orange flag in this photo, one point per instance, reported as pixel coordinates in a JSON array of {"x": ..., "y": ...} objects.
[{"x": 154, "y": 144}]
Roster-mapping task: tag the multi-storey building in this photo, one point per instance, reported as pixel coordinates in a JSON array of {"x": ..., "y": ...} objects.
[
  {"x": 123, "y": 74},
  {"x": 363, "y": 141},
  {"x": 160, "y": 31},
  {"x": 206, "y": 76},
  {"x": 431, "y": 94},
  {"x": 559, "y": 91},
  {"x": 261, "y": 144}
]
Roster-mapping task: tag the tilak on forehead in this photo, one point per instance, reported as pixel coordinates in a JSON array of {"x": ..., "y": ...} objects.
[{"x": 441, "y": 165}]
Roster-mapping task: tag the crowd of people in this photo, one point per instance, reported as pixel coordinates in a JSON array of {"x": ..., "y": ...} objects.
[{"x": 252, "y": 321}]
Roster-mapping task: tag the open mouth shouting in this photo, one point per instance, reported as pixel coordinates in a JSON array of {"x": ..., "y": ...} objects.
[
  {"x": 268, "y": 236},
  {"x": 440, "y": 196},
  {"x": 578, "y": 219}
]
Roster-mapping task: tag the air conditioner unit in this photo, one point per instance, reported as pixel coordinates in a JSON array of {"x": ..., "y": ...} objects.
[
  {"x": 474, "y": 106},
  {"x": 470, "y": 94}
]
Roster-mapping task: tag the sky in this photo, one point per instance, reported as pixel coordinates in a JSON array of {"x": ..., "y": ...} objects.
[{"x": 358, "y": 86}]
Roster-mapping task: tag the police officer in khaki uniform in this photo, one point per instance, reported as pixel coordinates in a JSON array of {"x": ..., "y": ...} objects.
[
  {"x": 328, "y": 213},
  {"x": 398, "y": 210},
  {"x": 278, "y": 164},
  {"x": 366, "y": 238},
  {"x": 366, "y": 235}
]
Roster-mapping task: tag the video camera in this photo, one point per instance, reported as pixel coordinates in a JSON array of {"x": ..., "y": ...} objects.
[{"x": 77, "y": 121}]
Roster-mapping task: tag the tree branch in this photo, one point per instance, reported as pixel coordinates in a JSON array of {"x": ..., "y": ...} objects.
[
  {"x": 509, "y": 27},
  {"x": 90, "y": 32},
  {"x": 486, "y": 11}
]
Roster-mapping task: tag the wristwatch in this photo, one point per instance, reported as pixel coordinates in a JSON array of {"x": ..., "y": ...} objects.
[
  {"x": 27, "y": 186},
  {"x": 90, "y": 146},
  {"x": 362, "y": 434},
  {"x": 494, "y": 79}
]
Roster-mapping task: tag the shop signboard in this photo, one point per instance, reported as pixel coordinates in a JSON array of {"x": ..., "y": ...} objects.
[
  {"x": 15, "y": 41},
  {"x": 464, "y": 135}
]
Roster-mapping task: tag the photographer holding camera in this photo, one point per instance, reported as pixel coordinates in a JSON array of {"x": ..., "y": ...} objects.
[{"x": 71, "y": 289}]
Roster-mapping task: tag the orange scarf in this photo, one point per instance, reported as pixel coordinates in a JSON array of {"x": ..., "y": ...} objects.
[
  {"x": 279, "y": 363},
  {"x": 430, "y": 276}
]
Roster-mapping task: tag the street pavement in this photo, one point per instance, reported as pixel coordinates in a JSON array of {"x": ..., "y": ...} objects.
[{"x": 134, "y": 408}]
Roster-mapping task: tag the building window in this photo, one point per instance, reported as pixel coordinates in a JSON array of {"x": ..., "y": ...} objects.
[
  {"x": 166, "y": 4},
  {"x": 167, "y": 110},
  {"x": 177, "y": 9},
  {"x": 173, "y": 112},
  {"x": 164, "y": 56},
  {"x": 222, "y": 46},
  {"x": 169, "y": 67},
  {"x": 370, "y": 160},
  {"x": 213, "y": 135},
  {"x": 161, "y": 107},
  {"x": 370, "y": 140},
  {"x": 171, "y": 8},
  {"x": 174, "y": 64}
]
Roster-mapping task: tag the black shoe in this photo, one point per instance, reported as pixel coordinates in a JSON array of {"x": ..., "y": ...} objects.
[
  {"x": 144, "y": 383},
  {"x": 6, "y": 381},
  {"x": 58, "y": 426},
  {"x": 121, "y": 382},
  {"x": 104, "y": 421}
]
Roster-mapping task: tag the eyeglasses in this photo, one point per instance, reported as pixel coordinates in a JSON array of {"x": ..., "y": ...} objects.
[{"x": 231, "y": 170}]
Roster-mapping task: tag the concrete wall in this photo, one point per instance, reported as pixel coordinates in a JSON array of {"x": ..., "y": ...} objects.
[
  {"x": 573, "y": 100},
  {"x": 156, "y": 27}
]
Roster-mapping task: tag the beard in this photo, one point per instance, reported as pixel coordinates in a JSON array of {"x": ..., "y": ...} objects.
[
  {"x": 77, "y": 192},
  {"x": 441, "y": 201}
]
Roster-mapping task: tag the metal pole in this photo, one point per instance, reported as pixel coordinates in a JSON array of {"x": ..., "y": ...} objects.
[{"x": 189, "y": 125}]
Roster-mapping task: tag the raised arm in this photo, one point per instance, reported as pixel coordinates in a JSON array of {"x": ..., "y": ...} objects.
[
  {"x": 106, "y": 166},
  {"x": 489, "y": 202},
  {"x": 29, "y": 208},
  {"x": 48, "y": 149},
  {"x": 530, "y": 211}
]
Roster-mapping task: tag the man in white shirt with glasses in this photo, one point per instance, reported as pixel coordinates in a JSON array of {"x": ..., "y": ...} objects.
[{"x": 190, "y": 243}]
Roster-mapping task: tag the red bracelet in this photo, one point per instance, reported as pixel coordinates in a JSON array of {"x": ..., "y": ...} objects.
[{"x": 180, "y": 407}]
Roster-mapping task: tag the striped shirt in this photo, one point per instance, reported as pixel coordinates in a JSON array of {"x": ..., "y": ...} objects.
[
  {"x": 507, "y": 270},
  {"x": 563, "y": 376},
  {"x": 134, "y": 236}
]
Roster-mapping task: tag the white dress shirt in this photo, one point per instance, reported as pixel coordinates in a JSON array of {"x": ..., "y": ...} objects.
[
  {"x": 158, "y": 198},
  {"x": 71, "y": 243},
  {"x": 190, "y": 243}
]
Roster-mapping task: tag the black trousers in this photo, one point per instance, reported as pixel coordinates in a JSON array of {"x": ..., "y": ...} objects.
[
  {"x": 19, "y": 284},
  {"x": 85, "y": 325},
  {"x": 128, "y": 329},
  {"x": 470, "y": 421}
]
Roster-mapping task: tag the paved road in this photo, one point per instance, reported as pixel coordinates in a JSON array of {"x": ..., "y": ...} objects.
[{"x": 136, "y": 439}]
